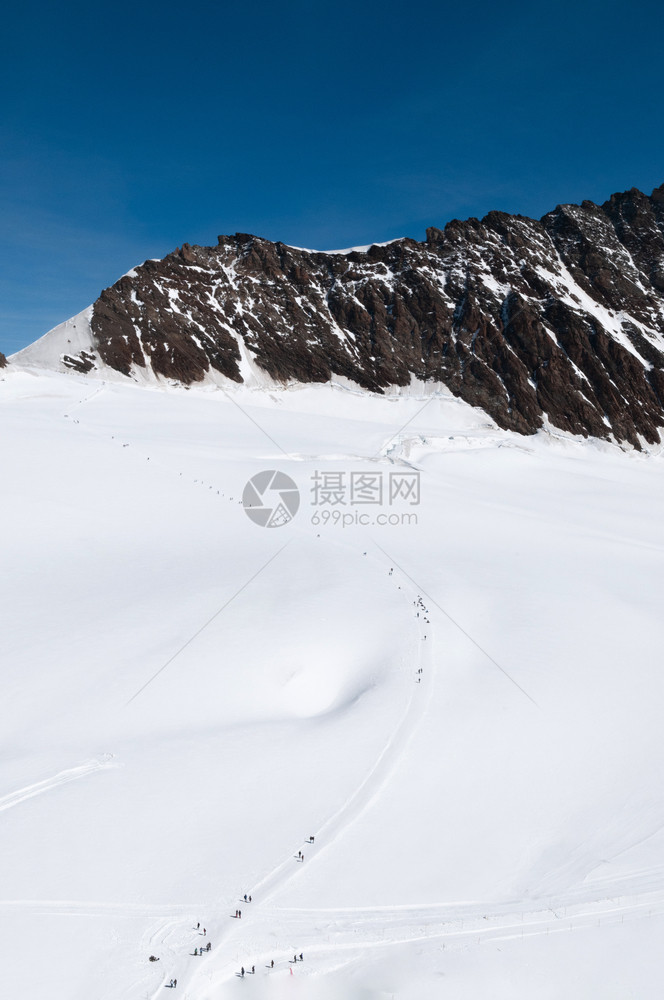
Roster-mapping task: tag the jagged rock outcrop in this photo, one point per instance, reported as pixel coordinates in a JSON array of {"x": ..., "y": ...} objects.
[
  {"x": 83, "y": 362},
  {"x": 3, "y": 360},
  {"x": 560, "y": 318}
]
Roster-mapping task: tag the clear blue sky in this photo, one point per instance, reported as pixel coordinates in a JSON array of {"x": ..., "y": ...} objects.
[{"x": 130, "y": 128}]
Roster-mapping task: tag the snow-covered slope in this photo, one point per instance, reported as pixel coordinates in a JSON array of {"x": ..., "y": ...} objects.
[
  {"x": 64, "y": 348},
  {"x": 464, "y": 712}
]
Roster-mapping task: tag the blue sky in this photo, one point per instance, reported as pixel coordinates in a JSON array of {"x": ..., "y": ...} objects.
[{"x": 128, "y": 129}]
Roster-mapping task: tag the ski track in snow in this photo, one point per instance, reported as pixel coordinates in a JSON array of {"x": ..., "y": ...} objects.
[
  {"x": 373, "y": 783},
  {"x": 91, "y": 908},
  {"x": 61, "y": 778},
  {"x": 387, "y": 926},
  {"x": 327, "y": 935}
]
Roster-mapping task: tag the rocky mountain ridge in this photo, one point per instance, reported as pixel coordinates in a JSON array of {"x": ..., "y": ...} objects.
[{"x": 561, "y": 318}]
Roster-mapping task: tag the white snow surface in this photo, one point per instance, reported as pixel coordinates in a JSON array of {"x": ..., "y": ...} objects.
[{"x": 188, "y": 697}]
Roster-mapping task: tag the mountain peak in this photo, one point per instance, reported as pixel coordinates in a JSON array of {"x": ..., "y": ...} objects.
[{"x": 558, "y": 319}]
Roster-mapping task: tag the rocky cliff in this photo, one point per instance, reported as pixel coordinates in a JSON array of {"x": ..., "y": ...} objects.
[{"x": 560, "y": 318}]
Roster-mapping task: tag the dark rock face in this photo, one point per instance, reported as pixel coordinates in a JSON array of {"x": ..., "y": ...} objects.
[
  {"x": 560, "y": 318},
  {"x": 83, "y": 362},
  {"x": 3, "y": 360}
]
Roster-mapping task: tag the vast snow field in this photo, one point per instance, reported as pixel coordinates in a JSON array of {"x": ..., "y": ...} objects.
[{"x": 188, "y": 697}]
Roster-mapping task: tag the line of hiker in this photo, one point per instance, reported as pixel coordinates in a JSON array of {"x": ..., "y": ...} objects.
[
  {"x": 419, "y": 604},
  {"x": 300, "y": 856},
  {"x": 238, "y": 913},
  {"x": 252, "y": 972}
]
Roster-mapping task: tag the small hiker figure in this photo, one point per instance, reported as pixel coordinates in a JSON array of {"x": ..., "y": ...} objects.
[
  {"x": 209, "y": 946},
  {"x": 253, "y": 970},
  {"x": 295, "y": 958},
  {"x": 171, "y": 984},
  {"x": 204, "y": 932},
  {"x": 311, "y": 840},
  {"x": 245, "y": 897},
  {"x": 272, "y": 964},
  {"x": 250, "y": 899},
  {"x": 198, "y": 926},
  {"x": 175, "y": 984},
  {"x": 239, "y": 913},
  {"x": 195, "y": 951},
  {"x": 236, "y": 913},
  {"x": 242, "y": 972},
  {"x": 299, "y": 854}
]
